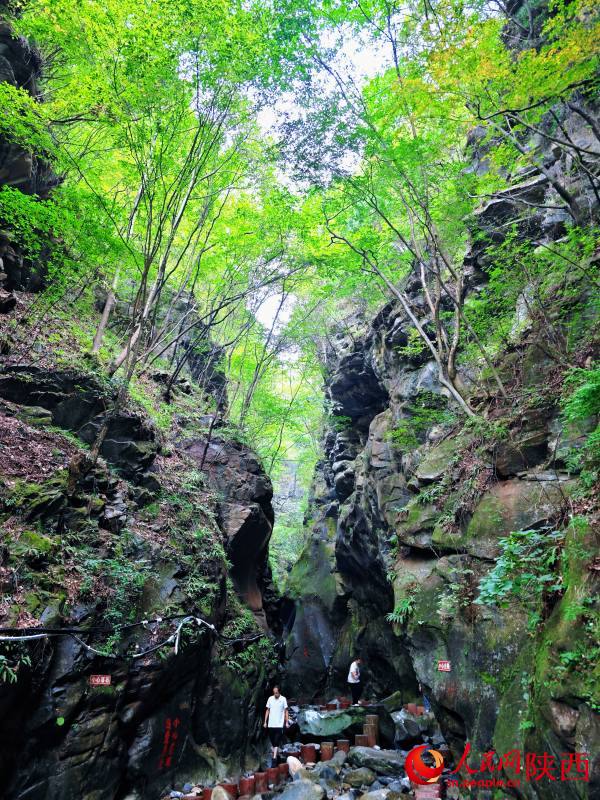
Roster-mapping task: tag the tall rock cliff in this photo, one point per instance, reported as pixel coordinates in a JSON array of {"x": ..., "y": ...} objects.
[
  {"x": 145, "y": 536},
  {"x": 149, "y": 568},
  {"x": 412, "y": 508}
]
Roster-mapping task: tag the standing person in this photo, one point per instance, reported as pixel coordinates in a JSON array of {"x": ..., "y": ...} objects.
[
  {"x": 354, "y": 680},
  {"x": 276, "y": 718}
]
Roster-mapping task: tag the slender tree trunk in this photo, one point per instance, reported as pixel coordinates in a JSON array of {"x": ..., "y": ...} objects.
[
  {"x": 443, "y": 376},
  {"x": 106, "y": 312},
  {"x": 157, "y": 286},
  {"x": 112, "y": 292}
]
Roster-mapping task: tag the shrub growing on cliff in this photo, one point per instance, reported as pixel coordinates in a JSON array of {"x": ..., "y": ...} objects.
[
  {"x": 536, "y": 282},
  {"x": 12, "y": 659},
  {"x": 427, "y": 410},
  {"x": 402, "y": 611},
  {"x": 525, "y": 570},
  {"x": 583, "y": 403}
]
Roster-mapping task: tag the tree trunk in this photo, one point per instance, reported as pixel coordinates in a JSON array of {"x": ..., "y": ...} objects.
[{"x": 106, "y": 312}]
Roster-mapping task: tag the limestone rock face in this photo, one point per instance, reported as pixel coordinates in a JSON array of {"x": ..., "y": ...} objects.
[{"x": 245, "y": 516}]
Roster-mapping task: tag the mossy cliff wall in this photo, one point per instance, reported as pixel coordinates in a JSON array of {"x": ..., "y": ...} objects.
[
  {"x": 172, "y": 521},
  {"x": 145, "y": 534},
  {"x": 410, "y": 504}
]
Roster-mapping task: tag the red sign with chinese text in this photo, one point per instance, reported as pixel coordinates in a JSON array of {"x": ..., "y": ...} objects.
[
  {"x": 444, "y": 666},
  {"x": 169, "y": 742},
  {"x": 100, "y": 680}
]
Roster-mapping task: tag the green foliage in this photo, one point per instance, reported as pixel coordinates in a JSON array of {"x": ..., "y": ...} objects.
[
  {"x": 485, "y": 432},
  {"x": 530, "y": 282},
  {"x": 242, "y": 656},
  {"x": 402, "y": 611},
  {"x": 287, "y": 539},
  {"x": 429, "y": 409},
  {"x": 584, "y": 399},
  {"x": 581, "y": 403},
  {"x": 30, "y": 220},
  {"x": 151, "y": 117},
  {"x": 430, "y": 494},
  {"x": 525, "y": 570},
  {"x": 22, "y": 121},
  {"x": 126, "y": 579},
  {"x": 160, "y": 412},
  {"x": 13, "y": 658},
  {"x": 339, "y": 422},
  {"x": 414, "y": 347}
]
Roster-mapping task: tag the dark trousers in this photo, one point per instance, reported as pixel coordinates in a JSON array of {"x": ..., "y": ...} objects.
[
  {"x": 275, "y": 736},
  {"x": 356, "y": 689}
]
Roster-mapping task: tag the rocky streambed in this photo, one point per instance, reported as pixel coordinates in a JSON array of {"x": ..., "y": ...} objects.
[{"x": 354, "y": 753}]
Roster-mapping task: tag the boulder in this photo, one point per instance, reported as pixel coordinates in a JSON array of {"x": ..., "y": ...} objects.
[
  {"x": 394, "y": 702},
  {"x": 399, "y": 786},
  {"x": 7, "y": 301},
  {"x": 150, "y": 482},
  {"x": 338, "y": 760},
  {"x": 409, "y": 728},
  {"x": 375, "y": 794},
  {"x": 129, "y": 443},
  {"x": 303, "y": 790},
  {"x": 383, "y": 762},
  {"x": 362, "y": 776},
  {"x": 328, "y": 770},
  {"x": 325, "y": 775},
  {"x": 329, "y": 723}
]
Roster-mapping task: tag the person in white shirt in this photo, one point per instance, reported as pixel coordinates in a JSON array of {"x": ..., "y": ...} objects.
[
  {"x": 354, "y": 683},
  {"x": 276, "y": 718}
]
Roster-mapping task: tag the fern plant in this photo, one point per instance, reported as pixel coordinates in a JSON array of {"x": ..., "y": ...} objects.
[{"x": 402, "y": 611}]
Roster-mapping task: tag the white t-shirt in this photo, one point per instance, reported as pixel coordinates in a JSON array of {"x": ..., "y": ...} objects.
[
  {"x": 277, "y": 707},
  {"x": 354, "y": 668}
]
